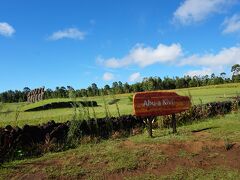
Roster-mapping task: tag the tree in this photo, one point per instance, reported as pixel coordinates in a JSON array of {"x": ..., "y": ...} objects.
[
  {"x": 236, "y": 73},
  {"x": 120, "y": 87},
  {"x": 71, "y": 92},
  {"x": 157, "y": 83},
  {"x": 70, "y": 88},
  {"x": 168, "y": 83},
  {"x": 106, "y": 89},
  {"x": 223, "y": 75},
  {"x": 193, "y": 82},
  {"x": 137, "y": 87},
  {"x": 205, "y": 80},
  {"x": 62, "y": 92},
  {"x": 181, "y": 83},
  {"x": 126, "y": 88},
  {"x": 235, "y": 69},
  {"x": 48, "y": 94},
  {"x": 95, "y": 90},
  {"x": 148, "y": 84},
  {"x": 89, "y": 91},
  {"x": 26, "y": 90},
  {"x": 84, "y": 92},
  {"x": 212, "y": 76},
  {"x": 115, "y": 87}
]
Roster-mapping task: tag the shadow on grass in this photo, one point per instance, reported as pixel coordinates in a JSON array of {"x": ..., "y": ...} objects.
[{"x": 204, "y": 129}]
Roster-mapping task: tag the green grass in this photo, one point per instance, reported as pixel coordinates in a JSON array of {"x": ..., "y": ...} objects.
[
  {"x": 194, "y": 173},
  {"x": 136, "y": 153},
  {"x": 222, "y": 127},
  {"x": 199, "y": 95}
]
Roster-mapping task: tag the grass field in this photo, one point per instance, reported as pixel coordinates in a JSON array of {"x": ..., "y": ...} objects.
[
  {"x": 13, "y": 113},
  {"x": 193, "y": 153}
]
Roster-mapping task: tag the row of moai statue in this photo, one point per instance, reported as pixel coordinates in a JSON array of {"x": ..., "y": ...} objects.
[{"x": 35, "y": 95}]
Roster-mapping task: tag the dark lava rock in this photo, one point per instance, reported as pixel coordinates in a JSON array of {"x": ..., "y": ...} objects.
[{"x": 59, "y": 133}]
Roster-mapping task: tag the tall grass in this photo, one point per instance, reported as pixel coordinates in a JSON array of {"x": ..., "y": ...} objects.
[
  {"x": 17, "y": 114},
  {"x": 116, "y": 103},
  {"x": 72, "y": 96},
  {"x": 191, "y": 98},
  {"x": 74, "y": 133},
  {"x": 85, "y": 109},
  {"x": 93, "y": 111},
  {"x": 1, "y": 106},
  {"x": 78, "y": 115},
  {"x": 107, "y": 113}
]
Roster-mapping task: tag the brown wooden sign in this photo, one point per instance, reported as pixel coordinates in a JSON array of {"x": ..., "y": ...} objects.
[{"x": 147, "y": 104}]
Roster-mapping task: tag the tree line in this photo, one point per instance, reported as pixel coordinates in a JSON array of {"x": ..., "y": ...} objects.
[{"x": 147, "y": 84}]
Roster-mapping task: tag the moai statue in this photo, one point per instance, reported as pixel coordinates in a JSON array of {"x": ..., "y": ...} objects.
[
  {"x": 43, "y": 92},
  {"x": 27, "y": 97},
  {"x": 35, "y": 98},
  {"x": 30, "y": 98},
  {"x": 35, "y": 95},
  {"x": 38, "y": 97},
  {"x": 33, "y": 92}
]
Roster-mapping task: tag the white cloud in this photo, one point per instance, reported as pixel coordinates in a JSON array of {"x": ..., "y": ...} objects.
[
  {"x": 108, "y": 76},
  {"x": 71, "y": 33},
  {"x": 225, "y": 57},
  {"x": 201, "y": 72},
  {"x": 232, "y": 24},
  {"x": 6, "y": 29},
  {"x": 145, "y": 56},
  {"x": 191, "y": 11},
  {"x": 135, "y": 77}
]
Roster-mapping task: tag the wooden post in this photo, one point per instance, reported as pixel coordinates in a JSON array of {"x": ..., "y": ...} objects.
[
  {"x": 149, "y": 124},
  {"x": 174, "y": 124}
]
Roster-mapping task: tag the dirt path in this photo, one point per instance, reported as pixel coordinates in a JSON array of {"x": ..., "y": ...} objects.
[
  {"x": 201, "y": 153},
  {"x": 195, "y": 154}
]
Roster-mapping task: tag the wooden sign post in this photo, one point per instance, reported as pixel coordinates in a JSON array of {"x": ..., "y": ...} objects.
[{"x": 154, "y": 103}]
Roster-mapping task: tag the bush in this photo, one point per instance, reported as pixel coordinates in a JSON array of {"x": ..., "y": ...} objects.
[
  {"x": 199, "y": 112},
  {"x": 74, "y": 132}
]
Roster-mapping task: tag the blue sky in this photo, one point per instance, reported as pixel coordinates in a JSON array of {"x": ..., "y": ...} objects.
[{"x": 78, "y": 42}]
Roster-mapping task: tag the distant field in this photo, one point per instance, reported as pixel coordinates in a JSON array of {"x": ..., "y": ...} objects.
[{"x": 12, "y": 111}]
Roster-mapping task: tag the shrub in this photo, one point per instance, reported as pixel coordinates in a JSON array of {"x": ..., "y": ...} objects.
[
  {"x": 199, "y": 112},
  {"x": 130, "y": 98},
  {"x": 74, "y": 132}
]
